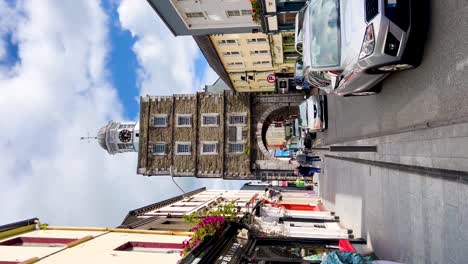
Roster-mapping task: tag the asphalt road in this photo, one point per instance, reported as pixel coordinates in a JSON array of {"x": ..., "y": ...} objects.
[{"x": 434, "y": 94}]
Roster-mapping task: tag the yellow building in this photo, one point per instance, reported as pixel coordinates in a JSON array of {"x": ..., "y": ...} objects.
[
  {"x": 250, "y": 58},
  {"x": 25, "y": 242}
]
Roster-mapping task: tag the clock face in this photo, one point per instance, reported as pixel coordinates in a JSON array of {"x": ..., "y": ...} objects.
[{"x": 125, "y": 136}]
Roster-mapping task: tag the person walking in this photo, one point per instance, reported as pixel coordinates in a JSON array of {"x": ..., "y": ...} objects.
[
  {"x": 306, "y": 171},
  {"x": 303, "y": 159}
]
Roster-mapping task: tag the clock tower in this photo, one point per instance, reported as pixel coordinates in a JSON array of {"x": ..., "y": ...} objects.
[{"x": 119, "y": 137}]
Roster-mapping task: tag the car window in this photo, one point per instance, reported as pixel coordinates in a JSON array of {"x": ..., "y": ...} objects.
[
  {"x": 303, "y": 114},
  {"x": 324, "y": 33},
  {"x": 298, "y": 69}
]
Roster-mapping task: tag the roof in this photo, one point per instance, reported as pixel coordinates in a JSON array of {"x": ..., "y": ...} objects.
[
  {"x": 132, "y": 215},
  {"x": 101, "y": 137},
  {"x": 209, "y": 51},
  {"x": 18, "y": 224}
]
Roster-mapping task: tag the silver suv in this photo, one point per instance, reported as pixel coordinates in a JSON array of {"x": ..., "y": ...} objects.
[{"x": 350, "y": 46}]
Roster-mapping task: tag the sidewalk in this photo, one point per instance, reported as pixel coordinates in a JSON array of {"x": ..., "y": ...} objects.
[{"x": 409, "y": 214}]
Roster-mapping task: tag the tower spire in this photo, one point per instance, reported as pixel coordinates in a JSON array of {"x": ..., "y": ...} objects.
[{"x": 87, "y": 137}]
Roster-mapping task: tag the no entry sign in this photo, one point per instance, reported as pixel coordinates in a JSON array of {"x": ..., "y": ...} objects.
[{"x": 271, "y": 78}]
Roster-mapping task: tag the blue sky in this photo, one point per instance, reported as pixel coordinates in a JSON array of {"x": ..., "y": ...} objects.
[
  {"x": 123, "y": 63},
  {"x": 66, "y": 68}
]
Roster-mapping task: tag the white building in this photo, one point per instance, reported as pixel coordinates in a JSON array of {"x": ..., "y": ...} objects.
[
  {"x": 203, "y": 17},
  {"x": 168, "y": 214},
  {"x": 57, "y": 245}
]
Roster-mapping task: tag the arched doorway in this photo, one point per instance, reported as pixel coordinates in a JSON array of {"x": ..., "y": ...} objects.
[{"x": 272, "y": 130}]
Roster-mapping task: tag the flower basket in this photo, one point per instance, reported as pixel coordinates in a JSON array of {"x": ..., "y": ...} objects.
[
  {"x": 207, "y": 228},
  {"x": 256, "y": 11}
]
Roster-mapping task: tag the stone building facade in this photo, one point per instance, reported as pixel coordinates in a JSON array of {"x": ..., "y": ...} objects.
[
  {"x": 201, "y": 135},
  {"x": 204, "y": 135},
  {"x": 211, "y": 135}
]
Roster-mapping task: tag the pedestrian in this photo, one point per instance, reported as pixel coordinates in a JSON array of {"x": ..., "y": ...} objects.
[
  {"x": 306, "y": 171},
  {"x": 306, "y": 160}
]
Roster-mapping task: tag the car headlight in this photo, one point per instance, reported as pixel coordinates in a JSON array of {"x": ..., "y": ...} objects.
[{"x": 368, "y": 43}]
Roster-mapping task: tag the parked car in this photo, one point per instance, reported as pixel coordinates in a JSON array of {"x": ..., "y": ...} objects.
[
  {"x": 349, "y": 47},
  {"x": 301, "y": 83},
  {"x": 298, "y": 31},
  {"x": 312, "y": 114}
]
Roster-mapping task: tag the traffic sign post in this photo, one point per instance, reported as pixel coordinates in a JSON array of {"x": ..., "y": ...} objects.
[{"x": 271, "y": 78}]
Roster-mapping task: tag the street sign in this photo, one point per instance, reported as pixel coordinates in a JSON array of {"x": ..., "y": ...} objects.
[{"x": 271, "y": 78}]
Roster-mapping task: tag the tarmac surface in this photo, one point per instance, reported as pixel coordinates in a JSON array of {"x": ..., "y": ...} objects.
[
  {"x": 410, "y": 198},
  {"x": 434, "y": 94}
]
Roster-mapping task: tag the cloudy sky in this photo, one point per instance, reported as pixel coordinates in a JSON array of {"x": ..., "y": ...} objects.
[{"x": 66, "y": 68}]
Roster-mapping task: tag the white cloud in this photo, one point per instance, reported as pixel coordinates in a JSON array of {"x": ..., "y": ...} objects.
[
  {"x": 167, "y": 62},
  {"x": 56, "y": 93},
  {"x": 210, "y": 76}
]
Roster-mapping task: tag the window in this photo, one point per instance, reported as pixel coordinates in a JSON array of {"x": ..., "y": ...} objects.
[
  {"x": 208, "y": 148},
  {"x": 183, "y": 148},
  {"x": 122, "y": 126},
  {"x": 256, "y": 40},
  {"x": 231, "y": 13},
  {"x": 231, "y": 54},
  {"x": 38, "y": 242},
  {"x": 237, "y": 119},
  {"x": 160, "y": 121},
  {"x": 125, "y": 146},
  {"x": 243, "y": 12},
  {"x": 236, "y": 147},
  {"x": 194, "y": 14},
  {"x": 184, "y": 120},
  {"x": 227, "y": 42},
  {"x": 151, "y": 247},
  {"x": 261, "y": 63},
  {"x": 235, "y": 64},
  {"x": 260, "y": 52},
  {"x": 159, "y": 149},
  {"x": 210, "y": 120},
  {"x": 246, "y": 12}
]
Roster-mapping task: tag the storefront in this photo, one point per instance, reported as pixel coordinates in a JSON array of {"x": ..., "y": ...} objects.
[{"x": 229, "y": 247}]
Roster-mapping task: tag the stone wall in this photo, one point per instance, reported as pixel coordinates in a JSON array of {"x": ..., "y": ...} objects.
[
  {"x": 211, "y": 165},
  {"x": 184, "y": 165},
  {"x": 237, "y": 165}
]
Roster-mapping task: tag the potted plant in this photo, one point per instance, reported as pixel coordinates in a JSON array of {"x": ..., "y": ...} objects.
[
  {"x": 207, "y": 225},
  {"x": 256, "y": 11}
]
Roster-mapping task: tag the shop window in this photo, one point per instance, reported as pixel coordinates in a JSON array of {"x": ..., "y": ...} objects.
[
  {"x": 151, "y": 247},
  {"x": 38, "y": 242}
]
